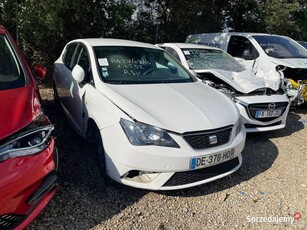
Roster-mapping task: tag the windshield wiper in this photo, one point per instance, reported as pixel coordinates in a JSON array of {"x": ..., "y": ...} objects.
[{"x": 117, "y": 82}]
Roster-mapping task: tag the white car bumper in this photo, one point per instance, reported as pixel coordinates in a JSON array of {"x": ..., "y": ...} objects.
[
  {"x": 248, "y": 105},
  {"x": 167, "y": 168}
]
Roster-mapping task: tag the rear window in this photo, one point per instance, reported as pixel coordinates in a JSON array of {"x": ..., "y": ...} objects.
[{"x": 11, "y": 74}]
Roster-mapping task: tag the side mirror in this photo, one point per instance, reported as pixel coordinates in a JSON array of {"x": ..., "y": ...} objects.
[
  {"x": 247, "y": 54},
  {"x": 39, "y": 71},
  {"x": 78, "y": 73}
]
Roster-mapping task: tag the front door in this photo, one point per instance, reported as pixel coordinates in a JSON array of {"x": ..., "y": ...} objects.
[{"x": 243, "y": 50}]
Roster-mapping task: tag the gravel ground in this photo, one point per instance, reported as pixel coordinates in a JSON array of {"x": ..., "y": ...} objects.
[{"x": 271, "y": 183}]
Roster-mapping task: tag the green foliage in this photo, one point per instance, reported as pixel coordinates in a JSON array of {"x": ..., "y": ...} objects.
[
  {"x": 278, "y": 16},
  {"x": 174, "y": 19},
  {"x": 243, "y": 15},
  {"x": 45, "y": 26}
]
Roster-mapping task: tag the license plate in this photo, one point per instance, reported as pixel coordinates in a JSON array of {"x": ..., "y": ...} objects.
[
  {"x": 212, "y": 159},
  {"x": 268, "y": 113}
]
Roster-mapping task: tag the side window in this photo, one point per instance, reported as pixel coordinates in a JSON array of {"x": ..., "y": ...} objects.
[
  {"x": 172, "y": 52},
  {"x": 68, "y": 55},
  {"x": 241, "y": 47},
  {"x": 82, "y": 59}
]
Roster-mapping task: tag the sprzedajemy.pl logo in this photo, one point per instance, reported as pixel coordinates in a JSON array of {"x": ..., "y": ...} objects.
[{"x": 274, "y": 219}]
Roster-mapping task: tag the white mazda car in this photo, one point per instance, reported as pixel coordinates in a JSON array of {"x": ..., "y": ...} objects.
[
  {"x": 261, "y": 107},
  {"x": 156, "y": 126}
]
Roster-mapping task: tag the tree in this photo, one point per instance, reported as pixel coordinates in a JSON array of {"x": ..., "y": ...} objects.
[
  {"x": 47, "y": 25},
  {"x": 243, "y": 15},
  {"x": 175, "y": 19},
  {"x": 278, "y": 16},
  {"x": 9, "y": 15}
]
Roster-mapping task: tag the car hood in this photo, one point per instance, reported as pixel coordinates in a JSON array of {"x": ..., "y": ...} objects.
[
  {"x": 295, "y": 63},
  {"x": 18, "y": 108},
  {"x": 175, "y": 107},
  {"x": 244, "y": 82}
]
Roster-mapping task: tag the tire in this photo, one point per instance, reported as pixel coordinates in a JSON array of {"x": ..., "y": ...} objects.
[{"x": 101, "y": 161}]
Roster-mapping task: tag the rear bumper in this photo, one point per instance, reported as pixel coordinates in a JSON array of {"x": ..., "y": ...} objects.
[{"x": 27, "y": 185}]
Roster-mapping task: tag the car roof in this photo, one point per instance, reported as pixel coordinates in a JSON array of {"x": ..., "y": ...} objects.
[
  {"x": 188, "y": 45},
  {"x": 114, "y": 42},
  {"x": 247, "y": 34}
]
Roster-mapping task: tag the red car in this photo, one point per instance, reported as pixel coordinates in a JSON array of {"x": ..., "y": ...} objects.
[{"x": 28, "y": 157}]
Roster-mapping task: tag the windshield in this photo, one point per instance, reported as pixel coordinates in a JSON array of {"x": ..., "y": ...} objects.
[
  {"x": 200, "y": 59},
  {"x": 11, "y": 75},
  {"x": 137, "y": 65},
  {"x": 280, "y": 47}
]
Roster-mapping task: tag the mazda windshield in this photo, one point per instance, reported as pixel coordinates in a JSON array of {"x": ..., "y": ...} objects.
[
  {"x": 280, "y": 47},
  {"x": 200, "y": 59},
  {"x": 137, "y": 65}
]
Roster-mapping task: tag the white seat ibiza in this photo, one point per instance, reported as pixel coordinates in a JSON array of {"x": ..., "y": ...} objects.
[{"x": 156, "y": 127}]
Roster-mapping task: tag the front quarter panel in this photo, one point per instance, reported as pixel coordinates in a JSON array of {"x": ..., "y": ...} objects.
[{"x": 99, "y": 108}]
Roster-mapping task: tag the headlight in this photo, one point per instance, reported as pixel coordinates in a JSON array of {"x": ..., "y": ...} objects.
[
  {"x": 238, "y": 127},
  {"x": 28, "y": 142},
  {"x": 140, "y": 134}
]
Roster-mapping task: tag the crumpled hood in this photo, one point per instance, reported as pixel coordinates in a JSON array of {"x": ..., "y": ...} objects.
[
  {"x": 295, "y": 63},
  {"x": 176, "y": 107},
  {"x": 244, "y": 82},
  {"x": 18, "y": 108}
]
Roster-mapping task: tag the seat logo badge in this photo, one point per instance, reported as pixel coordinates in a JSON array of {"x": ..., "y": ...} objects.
[
  {"x": 213, "y": 139},
  {"x": 271, "y": 106}
]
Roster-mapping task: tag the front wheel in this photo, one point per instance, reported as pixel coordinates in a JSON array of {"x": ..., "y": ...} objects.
[{"x": 102, "y": 161}]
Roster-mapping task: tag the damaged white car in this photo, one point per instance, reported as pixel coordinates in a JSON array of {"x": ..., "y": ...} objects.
[
  {"x": 279, "y": 60},
  {"x": 261, "y": 107},
  {"x": 155, "y": 125}
]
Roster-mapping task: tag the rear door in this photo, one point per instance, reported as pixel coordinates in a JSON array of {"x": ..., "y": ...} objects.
[{"x": 62, "y": 74}]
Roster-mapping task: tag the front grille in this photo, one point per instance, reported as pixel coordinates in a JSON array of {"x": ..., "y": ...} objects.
[
  {"x": 265, "y": 106},
  {"x": 201, "y": 140},
  {"x": 182, "y": 178},
  {"x": 9, "y": 221}
]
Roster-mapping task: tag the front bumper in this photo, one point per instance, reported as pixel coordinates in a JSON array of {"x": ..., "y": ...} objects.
[
  {"x": 257, "y": 125},
  {"x": 158, "y": 168},
  {"x": 27, "y": 184}
]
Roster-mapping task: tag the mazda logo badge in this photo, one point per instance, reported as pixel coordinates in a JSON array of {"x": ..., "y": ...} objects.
[
  {"x": 213, "y": 139},
  {"x": 271, "y": 106}
]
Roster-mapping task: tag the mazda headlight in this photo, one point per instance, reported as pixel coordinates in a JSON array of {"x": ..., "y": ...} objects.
[
  {"x": 238, "y": 127},
  {"x": 31, "y": 140},
  {"x": 141, "y": 134}
]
